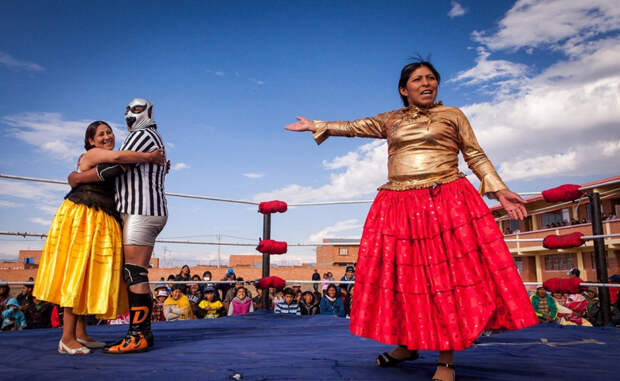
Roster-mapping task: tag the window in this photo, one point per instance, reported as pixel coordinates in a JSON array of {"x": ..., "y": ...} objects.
[
  {"x": 555, "y": 218},
  {"x": 514, "y": 226},
  {"x": 519, "y": 264},
  {"x": 559, "y": 262},
  {"x": 343, "y": 251}
]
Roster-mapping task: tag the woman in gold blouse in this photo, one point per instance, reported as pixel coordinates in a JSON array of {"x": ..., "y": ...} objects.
[{"x": 433, "y": 269}]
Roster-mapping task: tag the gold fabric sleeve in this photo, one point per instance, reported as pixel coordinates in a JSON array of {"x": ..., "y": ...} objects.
[
  {"x": 476, "y": 159},
  {"x": 365, "y": 128}
]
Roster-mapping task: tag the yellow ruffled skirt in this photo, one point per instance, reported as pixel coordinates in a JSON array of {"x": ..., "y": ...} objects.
[{"x": 81, "y": 264}]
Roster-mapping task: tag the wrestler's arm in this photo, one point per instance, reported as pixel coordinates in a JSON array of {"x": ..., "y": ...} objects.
[
  {"x": 96, "y": 156},
  {"x": 101, "y": 172}
]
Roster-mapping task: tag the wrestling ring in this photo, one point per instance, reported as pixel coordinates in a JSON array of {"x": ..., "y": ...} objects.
[{"x": 265, "y": 346}]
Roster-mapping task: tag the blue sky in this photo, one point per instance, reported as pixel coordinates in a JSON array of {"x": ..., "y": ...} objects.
[{"x": 539, "y": 80}]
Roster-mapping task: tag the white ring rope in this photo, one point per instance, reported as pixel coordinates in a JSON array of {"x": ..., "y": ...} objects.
[
  {"x": 311, "y": 244},
  {"x": 167, "y": 193},
  {"x": 248, "y": 282}
]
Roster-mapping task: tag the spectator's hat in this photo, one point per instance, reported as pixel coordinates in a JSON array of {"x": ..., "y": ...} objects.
[
  {"x": 160, "y": 285},
  {"x": 162, "y": 293},
  {"x": 297, "y": 285},
  {"x": 209, "y": 288},
  {"x": 350, "y": 268},
  {"x": 230, "y": 271},
  {"x": 614, "y": 278}
]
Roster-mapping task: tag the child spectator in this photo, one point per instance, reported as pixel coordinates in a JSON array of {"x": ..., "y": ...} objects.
[
  {"x": 298, "y": 295},
  {"x": 209, "y": 307},
  {"x": 232, "y": 292},
  {"x": 5, "y": 292},
  {"x": 224, "y": 287},
  {"x": 331, "y": 304},
  {"x": 349, "y": 275},
  {"x": 348, "y": 302},
  {"x": 241, "y": 303},
  {"x": 316, "y": 277},
  {"x": 177, "y": 306},
  {"x": 13, "y": 319},
  {"x": 158, "y": 305},
  {"x": 171, "y": 277},
  {"x": 544, "y": 306},
  {"x": 195, "y": 296},
  {"x": 288, "y": 306},
  {"x": 25, "y": 296},
  {"x": 184, "y": 276},
  {"x": 258, "y": 300},
  {"x": 39, "y": 314},
  {"x": 325, "y": 283},
  {"x": 308, "y": 304},
  {"x": 279, "y": 298}
]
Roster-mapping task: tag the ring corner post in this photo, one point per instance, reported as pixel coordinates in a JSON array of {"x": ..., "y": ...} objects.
[
  {"x": 266, "y": 259},
  {"x": 600, "y": 256}
]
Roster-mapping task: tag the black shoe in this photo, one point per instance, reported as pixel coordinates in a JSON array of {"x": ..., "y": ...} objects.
[
  {"x": 150, "y": 339},
  {"x": 133, "y": 342},
  {"x": 385, "y": 360}
]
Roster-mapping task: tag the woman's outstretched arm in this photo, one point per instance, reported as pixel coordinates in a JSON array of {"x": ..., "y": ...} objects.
[{"x": 367, "y": 127}]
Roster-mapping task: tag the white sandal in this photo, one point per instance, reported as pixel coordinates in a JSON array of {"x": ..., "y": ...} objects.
[
  {"x": 91, "y": 344},
  {"x": 62, "y": 348}
]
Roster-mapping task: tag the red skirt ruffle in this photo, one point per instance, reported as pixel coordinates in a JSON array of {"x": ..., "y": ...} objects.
[{"x": 434, "y": 271}]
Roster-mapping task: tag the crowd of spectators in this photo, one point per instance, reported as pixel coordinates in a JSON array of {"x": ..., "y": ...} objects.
[
  {"x": 582, "y": 308},
  {"x": 25, "y": 311},
  {"x": 210, "y": 300},
  {"x": 207, "y": 300}
]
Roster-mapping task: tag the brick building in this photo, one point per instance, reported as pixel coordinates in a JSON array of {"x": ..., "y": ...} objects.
[
  {"x": 341, "y": 252},
  {"x": 535, "y": 263}
]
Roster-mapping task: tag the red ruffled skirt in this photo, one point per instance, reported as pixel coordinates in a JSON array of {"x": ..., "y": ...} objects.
[{"x": 434, "y": 271}]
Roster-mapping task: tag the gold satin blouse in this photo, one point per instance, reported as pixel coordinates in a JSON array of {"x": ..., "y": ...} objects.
[{"x": 423, "y": 146}]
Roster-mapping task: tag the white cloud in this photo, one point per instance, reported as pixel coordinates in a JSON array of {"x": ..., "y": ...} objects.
[
  {"x": 359, "y": 177},
  {"x": 499, "y": 77},
  {"x": 179, "y": 166},
  {"x": 219, "y": 73},
  {"x": 41, "y": 221},
  {"x": 50, "y": 133},
  {"x": 253, "y": 175},
  {"x": 33, "y": 191},
  {"x": 564, "y": 120},
  {"x": 9, "y": 204},
  {"x": 456, "y": 10},
  {"x": 559, "y": 24},
  {"x": 15, "y": 64},
  {"x": 340, "y": 227},
  {"x": 257, "y": 81}
]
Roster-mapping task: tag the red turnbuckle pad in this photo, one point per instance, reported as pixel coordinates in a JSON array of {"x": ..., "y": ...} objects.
[
  {"x": 275, "y": 206},
  {"x": 271, "y": 282},
  {"x": 566, "y": 192},
  {"x": 565, "y": 241},
  {"x": 269, "y": 246},
  {"x": 563, "y": 285}
]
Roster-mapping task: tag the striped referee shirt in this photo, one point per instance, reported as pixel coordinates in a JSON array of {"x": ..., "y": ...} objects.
[{"x": 140, "y": 190}]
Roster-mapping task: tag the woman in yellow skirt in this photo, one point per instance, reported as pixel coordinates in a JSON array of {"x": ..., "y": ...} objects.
[{"x": 82, "y": 259}]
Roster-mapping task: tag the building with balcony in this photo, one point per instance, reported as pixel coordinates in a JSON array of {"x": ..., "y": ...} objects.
[{"x": 536, "y": 263}]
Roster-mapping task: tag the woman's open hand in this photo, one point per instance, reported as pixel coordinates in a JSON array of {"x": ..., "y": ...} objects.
[
  {"x": 157, "y": 157},
  {"x": 303, "y": 124},
  {"x": 513, "y": 204}
]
